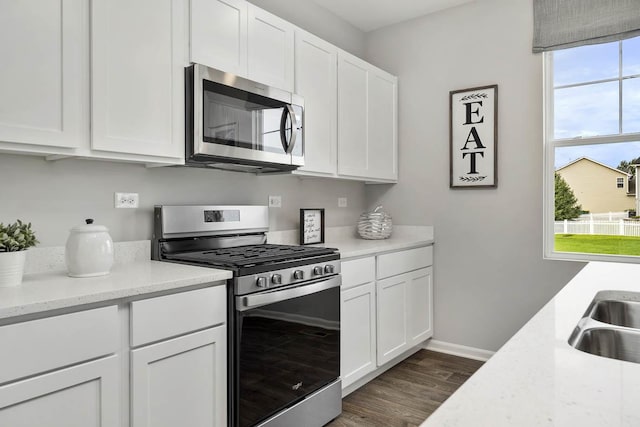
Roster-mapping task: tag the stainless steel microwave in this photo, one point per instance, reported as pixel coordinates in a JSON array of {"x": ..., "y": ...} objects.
[{"x": 236, "y": 124}]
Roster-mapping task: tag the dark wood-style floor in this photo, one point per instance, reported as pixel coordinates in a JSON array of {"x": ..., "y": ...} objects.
[{"x": 408, "y": 393}]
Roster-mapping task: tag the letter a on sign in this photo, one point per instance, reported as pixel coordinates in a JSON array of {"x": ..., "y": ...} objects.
[{"x": 473, "y": 137}]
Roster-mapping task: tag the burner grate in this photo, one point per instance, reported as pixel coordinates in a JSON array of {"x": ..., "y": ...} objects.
[{"x": 244, "y": 256}]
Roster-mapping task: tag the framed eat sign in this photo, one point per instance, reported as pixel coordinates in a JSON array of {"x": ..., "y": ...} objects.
[{"x": 473, "y": 137}]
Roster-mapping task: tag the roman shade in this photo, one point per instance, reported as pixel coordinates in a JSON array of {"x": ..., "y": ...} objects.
[{"x": 559, "y": 24}]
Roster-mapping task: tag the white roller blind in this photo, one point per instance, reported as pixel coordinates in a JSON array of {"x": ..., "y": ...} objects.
[{"x": 559, "y": 24}]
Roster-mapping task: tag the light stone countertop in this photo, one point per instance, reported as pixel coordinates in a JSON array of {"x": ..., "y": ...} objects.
[
  {"x": 350, "y": 245},
  {"x": 51, "y": 289},
  {"x": 538, "y": 379}
]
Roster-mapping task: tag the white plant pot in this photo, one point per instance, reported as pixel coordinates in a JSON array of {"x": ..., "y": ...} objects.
[{"x": 11, "y": 268}]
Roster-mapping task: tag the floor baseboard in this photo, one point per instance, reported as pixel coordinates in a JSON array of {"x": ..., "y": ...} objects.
[{"x": 458, "y": 350}]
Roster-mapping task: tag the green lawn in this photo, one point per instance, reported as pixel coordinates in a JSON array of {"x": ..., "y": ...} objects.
[{"x": 599, "y": 244}]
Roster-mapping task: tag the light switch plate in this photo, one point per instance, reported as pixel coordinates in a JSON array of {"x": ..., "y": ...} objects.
[{"x": 342, "y": 202}]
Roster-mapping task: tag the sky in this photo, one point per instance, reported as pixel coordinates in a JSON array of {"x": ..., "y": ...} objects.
[{"x": 577, "y": 115}]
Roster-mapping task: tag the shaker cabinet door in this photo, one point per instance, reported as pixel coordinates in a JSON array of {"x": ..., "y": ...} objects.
[
  {"x": 181, "y": 381},
  {"x": 393, "y": 299},
  {"x": 420, "y": 305},
  {"x": 382, "y": 150},
  {"x": 357, "y": 333},
  {"x": 44, "y": 76},
  {"x": 86, "y": 395},
  {"x": 316, "y": 71},
  {"x": 367, "y": 121},
  {"x": 138, "y": 54},
  {"x": 270, "y": 47},
  {"x": 219, "y": 35}
]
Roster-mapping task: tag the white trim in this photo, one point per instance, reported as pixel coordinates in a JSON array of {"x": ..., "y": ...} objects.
[{"x": 458, "y": 350}]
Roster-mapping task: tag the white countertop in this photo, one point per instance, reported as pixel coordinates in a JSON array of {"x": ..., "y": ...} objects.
[
  {"x": 538, "y": 379},
  {"x": 350, "y": 245},
  {"x": 47, "y": 287},
  {"x": 54, "y": 290}
]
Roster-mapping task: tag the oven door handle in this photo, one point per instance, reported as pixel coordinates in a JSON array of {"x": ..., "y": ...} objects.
[{"x": 248, "y": 302}]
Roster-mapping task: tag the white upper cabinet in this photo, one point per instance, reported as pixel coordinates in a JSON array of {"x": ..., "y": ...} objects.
[
  {"x": 138, "y": 57},
  {"x": 43, "y": 76},
  {"x": 382, "y": 149},
  {"x": 316, "y": 81},
  {"x": 219, "y": 34},
  {"x": 239, "y": 38},
  {"x": 352, "y": 116},
  {"x": 367, "y": 121},
  {"x": 270, "y": 49}
]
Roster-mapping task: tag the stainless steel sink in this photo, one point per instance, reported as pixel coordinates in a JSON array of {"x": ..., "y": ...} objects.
[
  {"x": 616, "y": 312},
  {"x": 610, "y": 327},
  {"x": 612, "y": 343}
]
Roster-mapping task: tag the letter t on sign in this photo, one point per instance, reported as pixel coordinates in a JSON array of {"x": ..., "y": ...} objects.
[{"x": 473, "y": 137}]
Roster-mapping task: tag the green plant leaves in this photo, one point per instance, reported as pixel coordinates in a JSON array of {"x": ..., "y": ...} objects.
[{"x": 16, "y": 237}]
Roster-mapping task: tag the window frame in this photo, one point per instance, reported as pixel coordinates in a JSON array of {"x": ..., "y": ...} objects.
[
  {"x": 619, "y": 182},
  {"x": 550, "y": 144}
]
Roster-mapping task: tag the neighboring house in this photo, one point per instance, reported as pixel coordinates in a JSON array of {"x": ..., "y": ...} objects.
[{"x": 599, "y": 188}]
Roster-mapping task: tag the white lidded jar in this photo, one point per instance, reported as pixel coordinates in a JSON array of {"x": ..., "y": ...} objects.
[{"x": 89, "y": 250}]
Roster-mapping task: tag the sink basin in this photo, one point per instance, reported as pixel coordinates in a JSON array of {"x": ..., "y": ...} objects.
[
  {"x": 610, "y": 327},
  {"x": 618, "y": 344},
  {"x": 616, "y": 312}
]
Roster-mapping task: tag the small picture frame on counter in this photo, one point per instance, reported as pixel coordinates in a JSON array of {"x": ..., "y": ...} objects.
[{"x": 311, "y": 226}]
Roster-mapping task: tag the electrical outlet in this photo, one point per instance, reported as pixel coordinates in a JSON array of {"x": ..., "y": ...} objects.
[
  {"x": 275, "y": 201},
  {"x": 342, "y": 202},
  {"x": 126, "y": 200}
]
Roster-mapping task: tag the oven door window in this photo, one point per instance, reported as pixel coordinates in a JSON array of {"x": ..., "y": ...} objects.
[
  {"x": 237, "y": 118},
  {"x": 287, "y": 350}
]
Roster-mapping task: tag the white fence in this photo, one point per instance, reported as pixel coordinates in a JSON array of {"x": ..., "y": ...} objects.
[
  {"x": 606, "y": 216},
  {"x": 591, "y": 226}
]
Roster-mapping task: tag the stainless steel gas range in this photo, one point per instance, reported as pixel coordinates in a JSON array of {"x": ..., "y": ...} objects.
[{"x": 283, "y": 306}]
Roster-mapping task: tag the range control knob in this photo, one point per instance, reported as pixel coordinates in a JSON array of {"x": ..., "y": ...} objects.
[
  {"x": 261, "y": 282},
  {"x": 317, "y": 271},
  {"x": 329, "y": 269},
  {"x": 298, "y": 275},
  {"x": 276, "y": 279}
]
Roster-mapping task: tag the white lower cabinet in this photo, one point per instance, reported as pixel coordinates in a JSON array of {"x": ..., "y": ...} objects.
[
  {"x": 181, "y": 381},
  {"x": 61, "y": 371},
  {"x": 358, "y": 333},
  {"x": 85, "y": 395},
  {"x": 72, "y": 369},
  {"x": 386, "y": 310},
  {"x": 404, "y": 313}
]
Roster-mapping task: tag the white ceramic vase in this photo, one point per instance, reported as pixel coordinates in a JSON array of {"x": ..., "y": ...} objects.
[
  {"x": 11, "y": 268},
  {"x": 89, "y": 251}
]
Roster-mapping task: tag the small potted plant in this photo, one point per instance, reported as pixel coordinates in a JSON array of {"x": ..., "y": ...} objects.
[{"x": 15, "y": 239}]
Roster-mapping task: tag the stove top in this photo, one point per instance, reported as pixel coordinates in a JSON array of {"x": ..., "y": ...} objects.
[{"x": 243, "y": 257}]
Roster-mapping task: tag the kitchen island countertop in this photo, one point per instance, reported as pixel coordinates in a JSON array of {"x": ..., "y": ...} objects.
[{"x": 538, "y": 379}]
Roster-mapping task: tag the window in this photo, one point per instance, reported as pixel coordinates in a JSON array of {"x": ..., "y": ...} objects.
[{"x": 592, "y": 133}]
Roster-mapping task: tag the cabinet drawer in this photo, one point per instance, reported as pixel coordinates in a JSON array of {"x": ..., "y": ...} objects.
[
  {"x": 159, "y": 318},
  {"x": 404, "y": 261},
  {"x": 357, "y": 272},
  {"x": 51, "y": 343}
]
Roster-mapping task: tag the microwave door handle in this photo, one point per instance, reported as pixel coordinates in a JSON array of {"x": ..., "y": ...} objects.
[
  {"x": 283, "y": 130},
  {"x": 290, "y": 144},
  {"x": 258, "y": 300}
]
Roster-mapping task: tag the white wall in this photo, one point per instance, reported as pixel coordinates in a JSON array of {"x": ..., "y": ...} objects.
[
  {"x": 55, "y": 196},
  {"x": 319, "y": 21},
  {"x": 489, "y": 274}
]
